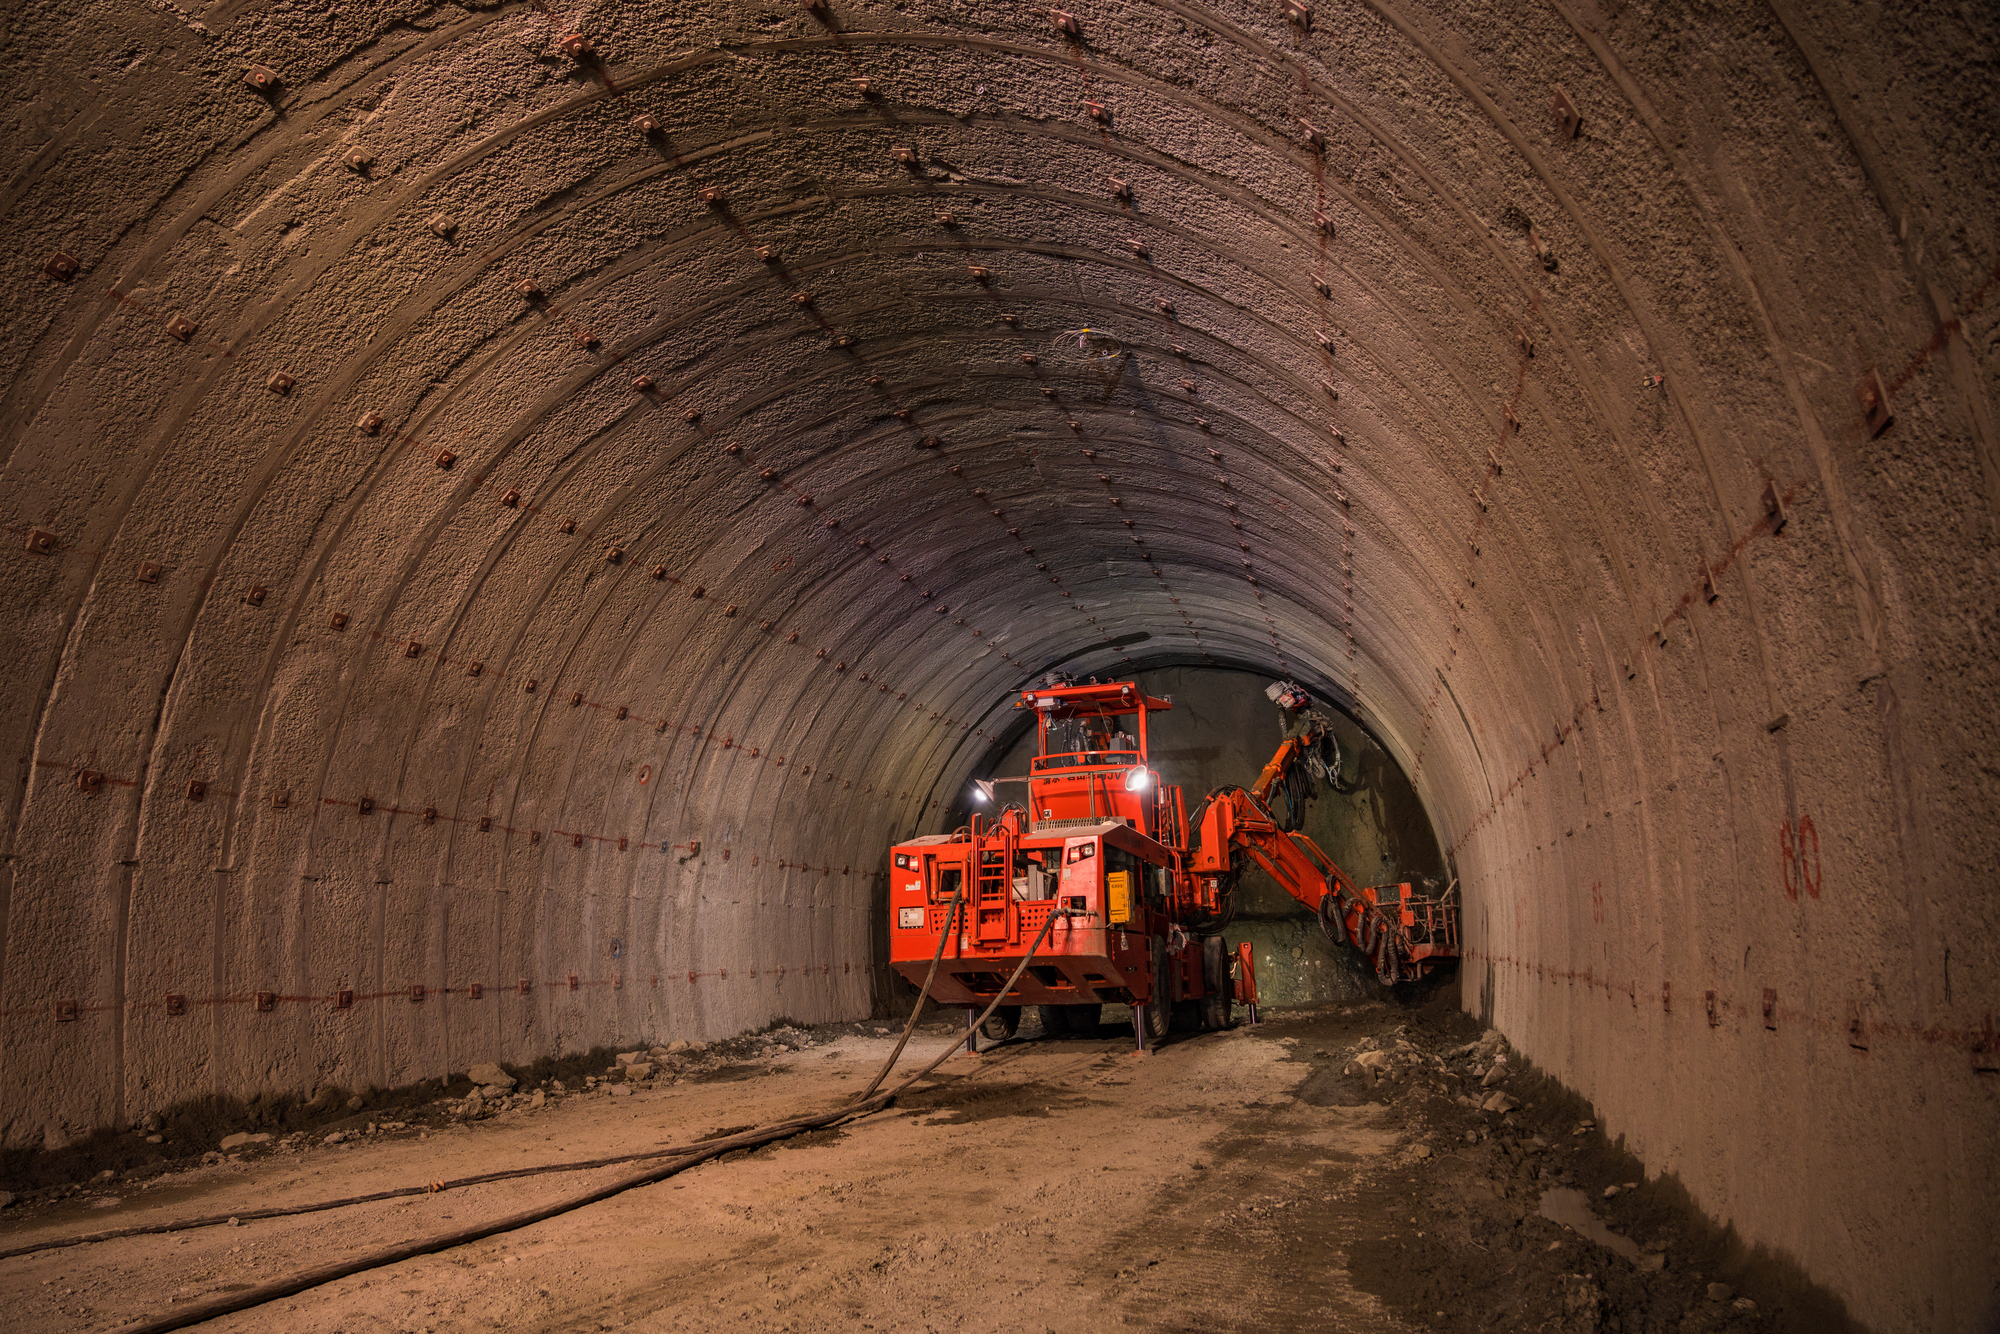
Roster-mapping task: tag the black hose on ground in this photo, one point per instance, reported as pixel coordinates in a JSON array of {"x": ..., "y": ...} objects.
[
  {"x": 253, "y": 1215},
  {"x": 312, "y": 1278},
  {"x": 483, "y": 1178},
  {"x": 923, "y": 992},
  {"x": 862, "y": 1106}
]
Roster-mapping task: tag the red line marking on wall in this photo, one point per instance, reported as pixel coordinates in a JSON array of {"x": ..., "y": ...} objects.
[
  {"x": 1946, "y": 331},
  {"x": 408, "y": 993},
  {"x": 1975, "y": 1040}
]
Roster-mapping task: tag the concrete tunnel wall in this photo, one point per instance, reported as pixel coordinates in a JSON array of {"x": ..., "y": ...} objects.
[{"x": 432, "y": 518}]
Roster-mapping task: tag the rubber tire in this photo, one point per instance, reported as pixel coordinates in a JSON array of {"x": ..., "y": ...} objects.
[
  {"x": 1055, "y": 1020},
  {"x": 1183, "y": 1014},
  {"x": 1083, "y": 1019},
  {"x": 1159, "y": 1010},
  {"x": 1215, "y": 1006},
  {"x": 1002, "y": 1024}
]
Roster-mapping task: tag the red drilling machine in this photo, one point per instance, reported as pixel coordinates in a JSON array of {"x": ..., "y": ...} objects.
[{"x": 1108, "y": 892}]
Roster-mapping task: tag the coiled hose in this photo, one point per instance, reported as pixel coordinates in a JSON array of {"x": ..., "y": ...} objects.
[
  {"x": 1373, "y": 936},
  {"x": 1388, "y": 961}
]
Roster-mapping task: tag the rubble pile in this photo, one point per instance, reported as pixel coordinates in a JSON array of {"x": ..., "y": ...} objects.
[
  {"x": 333, "y": 1117},
  {"x": 1520, "y": 1212}
]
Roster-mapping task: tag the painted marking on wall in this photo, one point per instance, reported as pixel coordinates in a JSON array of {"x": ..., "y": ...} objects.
[{"x": 1798, "y": 857}]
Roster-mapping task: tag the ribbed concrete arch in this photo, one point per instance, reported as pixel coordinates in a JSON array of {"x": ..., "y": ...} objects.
[{"x": 471, "y": 535}]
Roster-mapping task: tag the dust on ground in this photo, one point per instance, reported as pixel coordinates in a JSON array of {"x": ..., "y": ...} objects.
[{"x": 1329, "y": 1169}]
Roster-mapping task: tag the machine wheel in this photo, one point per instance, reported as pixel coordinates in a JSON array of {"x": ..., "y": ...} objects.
[
  {"x": 1055, "y": 1020},
  {"x": 1083, "y": 1019},
  {"x": 1215, "y": 1005},
  {"x": 1160, "y": 1010},
  {"x": 1002, "y": 1023}
]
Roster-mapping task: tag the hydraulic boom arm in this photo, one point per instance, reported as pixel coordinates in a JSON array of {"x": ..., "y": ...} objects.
[{"x": 1238, "y": 822}]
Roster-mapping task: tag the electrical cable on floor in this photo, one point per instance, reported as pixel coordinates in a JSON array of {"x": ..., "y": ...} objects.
[
  {"x": 457, "y": 1183},
  {"x": 869, "y": 1102},
  {"x": 319, "y": 1206}
]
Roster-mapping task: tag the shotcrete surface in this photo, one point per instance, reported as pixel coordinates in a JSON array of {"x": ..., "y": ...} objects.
[{"x": 509, "y": 510}]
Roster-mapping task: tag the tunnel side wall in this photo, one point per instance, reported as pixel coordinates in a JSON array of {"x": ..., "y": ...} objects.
[{"x": 1728, "y": 855}]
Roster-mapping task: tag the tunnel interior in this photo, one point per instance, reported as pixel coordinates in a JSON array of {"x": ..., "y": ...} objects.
[{"x": 515, "y": 507}]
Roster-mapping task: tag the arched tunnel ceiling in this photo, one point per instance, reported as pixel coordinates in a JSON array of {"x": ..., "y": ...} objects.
[{"x": 496, "y": 480}]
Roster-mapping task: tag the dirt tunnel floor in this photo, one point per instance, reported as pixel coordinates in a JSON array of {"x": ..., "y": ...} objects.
[{"x": 1320, "y": 1172}]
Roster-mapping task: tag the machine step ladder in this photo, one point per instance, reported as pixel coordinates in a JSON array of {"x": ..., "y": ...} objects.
[{"x": 994, "y": 917}]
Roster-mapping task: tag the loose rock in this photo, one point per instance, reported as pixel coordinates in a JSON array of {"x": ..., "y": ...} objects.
[
  {"x": 241, "y": 1138},
  {"x": 1500, "y": 1101},
  {"x": 490, "y": 1076},
  {"x": 1720, "y": 1292}
]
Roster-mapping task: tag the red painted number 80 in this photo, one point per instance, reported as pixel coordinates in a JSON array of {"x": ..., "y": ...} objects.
[{"x": 1798, "y": 857}]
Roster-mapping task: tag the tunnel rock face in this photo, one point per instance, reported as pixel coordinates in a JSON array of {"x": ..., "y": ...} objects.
[{"x": 513, "y": 508}]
